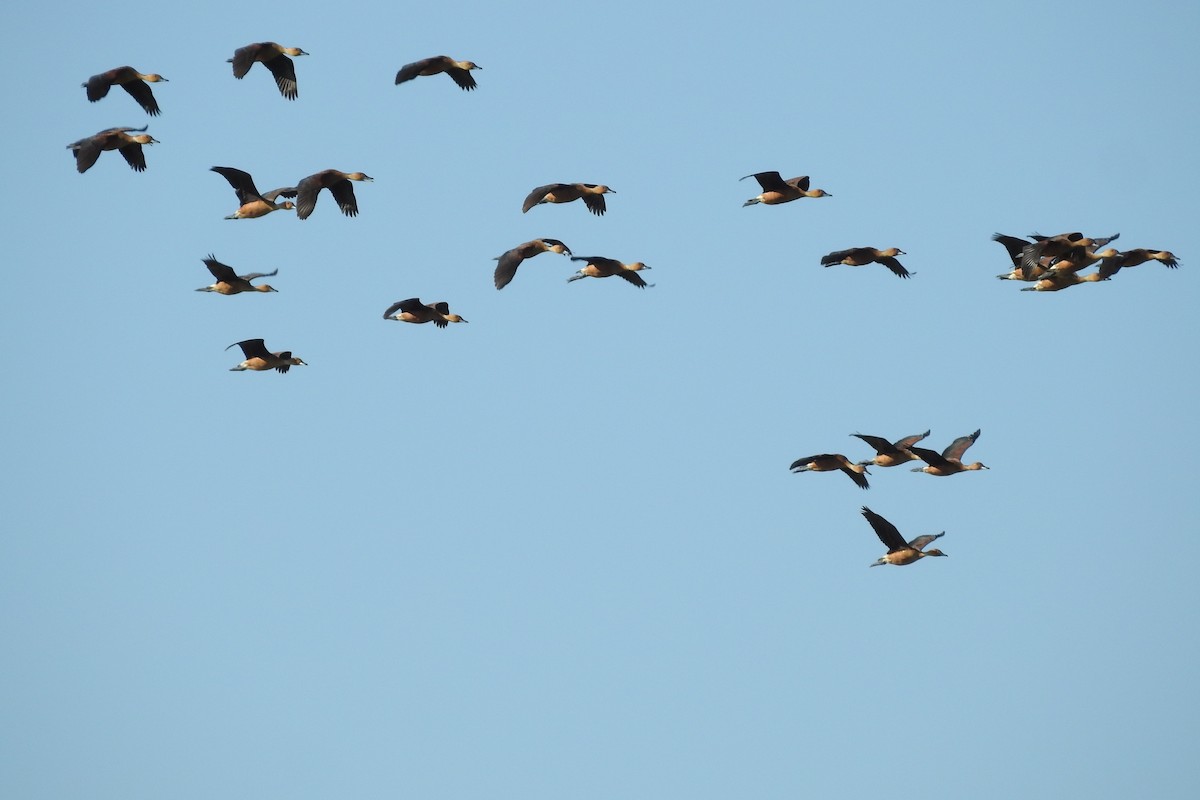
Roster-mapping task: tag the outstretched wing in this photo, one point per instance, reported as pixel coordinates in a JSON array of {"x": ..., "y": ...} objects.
[
  {"x": 284, "y": 70},
  {"x": 886, "y": 531},
  {"x": 959, "y": 446}
]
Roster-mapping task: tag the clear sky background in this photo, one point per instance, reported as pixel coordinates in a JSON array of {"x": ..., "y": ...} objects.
[{"x": 557, "y": 552}]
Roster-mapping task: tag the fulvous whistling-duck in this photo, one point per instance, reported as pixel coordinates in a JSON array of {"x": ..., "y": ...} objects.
[
  {"x": 776, "y": 190},
  {"x": 338, "y": 184},
  {"x": 828, "y": 462},
  {"x": 592, "y": 194},
  {"x": 899, "y": 551},
  {"x": 87, "y": 150},
  {"x": 600, "y": 267},
  {"x": 131, "y": 81},
  {"x": 949, "y": 461},
  {"x": 275, "y": 58},
  {"x": 258, "y": 358},
  {"x": 254, "y": 203},
  {"x": 229, "y": 282},
  {"x": 460, "y": 71},
  {"x": 413, "y": 310},
  {"x": 888, "y": 454},
  {"x": 506, "y": 269},
  {"x": 861, "y": 256},
  {"x": 1132, "y": 258},
  {"x": 1056, "y": 246}
]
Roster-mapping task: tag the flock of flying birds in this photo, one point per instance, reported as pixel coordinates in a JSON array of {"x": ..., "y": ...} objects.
[{"x": 1049, "y": 263}]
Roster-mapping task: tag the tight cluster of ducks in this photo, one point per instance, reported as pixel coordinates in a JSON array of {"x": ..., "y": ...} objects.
[
  {"x": 893, "y": 454},
  {"x": 1049, "y": 263},
  {"x": 1052, "y": 263}
]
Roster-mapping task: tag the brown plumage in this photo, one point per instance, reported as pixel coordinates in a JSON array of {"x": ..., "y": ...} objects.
[
  {"x": 460, "y": 71},
  {"x": 591, "y": 193},
  {"x": 506, "y": 269},
  {"x": 253, "y": 203},
  {"x": 131, "y": 81},
  {"x": 1053, "y": 247},
  {"x": 899, "y": 551},
  {"x": 338, "y": 184},
  {"x": 414, "y": 311},
  {"x": 229, "y": 282},
  {"x": 888, "y": 454},
  {"x": 88, "y": 150},
  {"x": 949, "y": 461},
  {"x": 258, "y": 358},
  {"x": 828, "y": 462},
  {"x": 275, "y": 58},
  {"x": 776, "y": 190},
  {"x": 600, "y": 267},
  {"x": 1132, "y": 258},
  {"x": 861, "y": 256}
]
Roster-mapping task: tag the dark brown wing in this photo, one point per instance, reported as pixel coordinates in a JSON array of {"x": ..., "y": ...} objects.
[
  {"x": 286, "y": 355},
  {"x": 633, "y": 277},
  {"x": 306, "y": 195},
  {"x": 595, "y": 204},
  {"x": 412, "y": 306},
  {"x": 959, "y": 446},
  {"x": 222, "y": 272},
  {"x": 86, "y": 152},
  {"x": 284, "y": 70},
  {"x": 134, "y": 155},
  {"x": 140, "y": 91},
  {"x": 252, "y": 348},
  {"x": 1013, "y": 245},
  {"x": 506, "y": 267},
  {"x": 886, "y": 531},
  {"x": 882, "y": 446},
  {"x": 462, "y": 77},
  {"x": 931, "y": 457},
  {"x": 538, "y": 194},
  {"x": 895, "y": 266},
  {"x": 769, "y": 181},
  {"x": 343, "y": 193},
  {"x": 859, "y": 478},
  {"x": 410, "y": 71},
  {"x": 800, "y": 462},
  {"x": 837, "y": 256},
  {"x": 241, "y": 182},
  {"x": 554, "y": 242},
  {"x": 909, "y": 441},
  {"x": 800, "y": 183},
  {"x": 243, "y": 59},
  {"x": 98, "y": 86}
]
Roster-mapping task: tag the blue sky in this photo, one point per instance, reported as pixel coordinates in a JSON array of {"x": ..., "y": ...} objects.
[{"x": 557, "y": 551}]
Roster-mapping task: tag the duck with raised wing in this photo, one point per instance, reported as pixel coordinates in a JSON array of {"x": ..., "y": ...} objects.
[
  {"x": 776, "y": 190},
  {"x": 254, "y": 204},
  {"x": 414, "y": 311},
  {"x": 258, "y": 358},
  {"x": 949, "y": 461},
  {"x": 229, "y": 282},
  {"x": 899, "y": 551},
  {"x": 889, "y": 454}
]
